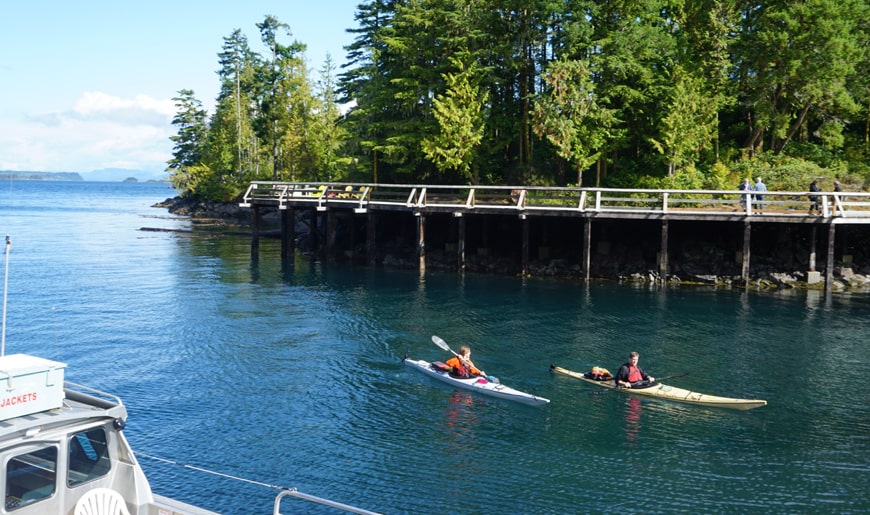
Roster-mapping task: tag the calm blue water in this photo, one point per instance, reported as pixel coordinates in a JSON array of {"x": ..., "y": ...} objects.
[{"x": 291, "y": 375}]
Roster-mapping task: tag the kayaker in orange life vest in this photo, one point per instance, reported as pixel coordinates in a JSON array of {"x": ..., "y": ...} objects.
[
  {"x": 462, "y": 366},
  {"x": 630, "y": 374}
]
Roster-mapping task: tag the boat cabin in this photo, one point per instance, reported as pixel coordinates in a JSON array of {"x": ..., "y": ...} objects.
[{"x": 62, "y": 444}]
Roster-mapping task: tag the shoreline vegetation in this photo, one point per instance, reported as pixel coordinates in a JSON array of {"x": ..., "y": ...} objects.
[
  {"x": 640, "y": 96},
  {"x": 624, "y": 267},
  {"x": 24, "y": 175},
  {"x": 619, "y": 95}
]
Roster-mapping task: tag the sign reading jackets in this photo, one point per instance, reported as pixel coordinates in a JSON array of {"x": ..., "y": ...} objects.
[{"x": 29, "y": 384}]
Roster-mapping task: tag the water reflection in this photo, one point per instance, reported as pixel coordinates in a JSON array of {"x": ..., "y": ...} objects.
[
  {"x": 460, "y": 415},
  {"x": 632, "y": 420},
  {"x": 461, "y": 420}
]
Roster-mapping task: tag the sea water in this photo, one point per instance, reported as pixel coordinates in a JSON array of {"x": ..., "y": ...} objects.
[{"x": 290, "y": 374}]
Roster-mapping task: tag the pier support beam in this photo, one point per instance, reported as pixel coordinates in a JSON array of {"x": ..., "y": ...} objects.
[
  {"x": 421, "y": 240},
  {"x": 744, "y": 270},
  {"x": 813, "y": 248},
  {"x": 315, "y": 233},
  {"x": 371, "y": 226},
  {"x": 330, "y": 234},
  {"x": 255, "y": 231},
  {"x": 587, "y": 247},
  {"x": 460, "y": 243},
  {"x": 663, "y": 255},
  {"x": 829, "y": 269},
  {"x": 288, "y": 233},
  {"x": 351, "y": 222},
  {"x": 524, "y": 221}
]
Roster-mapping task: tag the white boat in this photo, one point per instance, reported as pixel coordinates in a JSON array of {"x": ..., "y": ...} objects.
[
  {"x": 63, "y": 449},
  {"x": 475, "y": 384}
]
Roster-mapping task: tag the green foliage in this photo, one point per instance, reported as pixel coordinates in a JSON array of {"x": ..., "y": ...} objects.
[
  {"x": 190, "y": 118},
  {"x": 689, "y": 123},
  {"x": 460, "y": 116},
  {"x": 652, "y": 93},
  {"x": 569, "y": 115},
  {"x": 785, "y": 173}
]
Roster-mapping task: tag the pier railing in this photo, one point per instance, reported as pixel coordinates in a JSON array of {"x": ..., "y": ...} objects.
[{"x": 617, "y": 202}]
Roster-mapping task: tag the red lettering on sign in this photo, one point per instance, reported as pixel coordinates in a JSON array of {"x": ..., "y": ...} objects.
[{"x": 18, "y": 399}]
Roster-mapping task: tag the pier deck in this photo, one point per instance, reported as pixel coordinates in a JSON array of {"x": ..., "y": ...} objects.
[{"x": 587, "y": 204}]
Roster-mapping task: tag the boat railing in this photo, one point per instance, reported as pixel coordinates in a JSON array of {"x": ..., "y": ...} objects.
[
  {"x": 283, "y": 490},
  {"x": 525, "y": 200},
  {"x": 91, "y": 396},
  {"x": 292, "y": 492}
]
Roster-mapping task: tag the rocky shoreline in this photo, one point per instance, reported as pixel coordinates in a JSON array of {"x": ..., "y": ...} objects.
[{"x": 622, "y": 267}]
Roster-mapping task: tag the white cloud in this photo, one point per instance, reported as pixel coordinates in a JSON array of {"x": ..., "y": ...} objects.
[
  {"x": 98, "y": 131},
  {"x": 96, "y": 103}
]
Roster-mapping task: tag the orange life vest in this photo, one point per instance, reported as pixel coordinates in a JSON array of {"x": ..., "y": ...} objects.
[{"x": 459, "y": 369}]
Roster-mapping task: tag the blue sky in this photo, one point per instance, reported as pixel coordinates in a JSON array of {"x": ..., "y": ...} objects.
[{"x": 88, "y": 85}]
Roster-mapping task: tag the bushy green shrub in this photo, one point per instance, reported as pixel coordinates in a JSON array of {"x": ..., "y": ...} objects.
[{"x": 787, "y": 173}]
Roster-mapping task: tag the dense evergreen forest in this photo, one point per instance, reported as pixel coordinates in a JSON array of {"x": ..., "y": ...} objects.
[{"x": 624, "y": 93}]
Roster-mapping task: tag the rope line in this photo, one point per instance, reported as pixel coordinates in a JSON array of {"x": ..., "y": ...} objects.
[
  {"x": 293, "y": 492},
  {"x": 207, "y": 471}
]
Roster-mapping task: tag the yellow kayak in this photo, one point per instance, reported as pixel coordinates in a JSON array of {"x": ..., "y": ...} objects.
[{"x": 670, "y": 393}]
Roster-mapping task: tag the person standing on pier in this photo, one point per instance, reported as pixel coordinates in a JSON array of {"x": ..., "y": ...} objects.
[
  {"x": 743, "y": 196},
  {"x": 759, "y": 197},
  {"x": 814, "y": 199}
]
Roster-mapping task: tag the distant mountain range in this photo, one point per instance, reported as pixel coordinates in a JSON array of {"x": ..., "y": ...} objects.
[{"x": 104, "y": 175}]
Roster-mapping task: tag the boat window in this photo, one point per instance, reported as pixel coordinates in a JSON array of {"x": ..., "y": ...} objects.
[
  {"x": 88, "y": 456},
  {"x": 30, "y": 477}
]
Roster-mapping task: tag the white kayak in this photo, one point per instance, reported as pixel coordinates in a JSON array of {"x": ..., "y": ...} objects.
[{"x": 475, "y": 384}]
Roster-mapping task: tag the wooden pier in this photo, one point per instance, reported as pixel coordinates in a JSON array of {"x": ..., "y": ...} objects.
[{"x": 587, "y": 205}]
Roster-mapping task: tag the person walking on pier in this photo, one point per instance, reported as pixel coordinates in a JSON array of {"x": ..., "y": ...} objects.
[
  {"x": 814, "y": 199},
  {"x": 759, "y": 189},
  {"x": 744, "y": 196}
]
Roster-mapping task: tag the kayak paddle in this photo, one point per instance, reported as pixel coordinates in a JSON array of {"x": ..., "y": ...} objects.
[
  {"x": 441, "y": 343},
  {"x": 643, "y": 384},
  {"x": 660, "y": 379},
  {"x": 647, "y": 384}
]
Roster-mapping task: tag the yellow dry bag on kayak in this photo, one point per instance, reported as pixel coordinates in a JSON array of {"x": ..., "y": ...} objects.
[{"x": 599, "y": 374}]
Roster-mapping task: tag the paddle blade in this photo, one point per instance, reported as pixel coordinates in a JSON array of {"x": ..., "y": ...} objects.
[{"x": 441, "y": 343}]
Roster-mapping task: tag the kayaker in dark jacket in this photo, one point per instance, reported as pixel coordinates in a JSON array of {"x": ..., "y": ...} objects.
[
  {"x": 630, "y": 374},
  {"x": 461, "y": 365}
]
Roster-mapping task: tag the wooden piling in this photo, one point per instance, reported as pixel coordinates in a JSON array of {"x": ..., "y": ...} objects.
[
  {"x": 525, "y": 223},
  {"x": 288, "y": 233},
  {"x": 747, "y": 233},
  {"x": 371, "y": 225},
  {"x": 663, "y": 255},
  {"x": 315, "y": 233},
  {"x": 331, "y": 227},
  {"x": 421, "y": 240},
  {"x": 255, "y": 231},
  {"x": 460, "y": 245},
  {"x": 587, "y": 247},
  {"x": 829, "y": 268}
]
